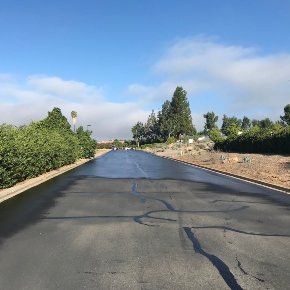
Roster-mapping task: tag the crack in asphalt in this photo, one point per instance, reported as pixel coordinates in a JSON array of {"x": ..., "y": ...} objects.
[
  {"x": 220, "y": 265},
  {"x": 169, "y": 207},
  {"x": 246, "y": 273},
  {"x": 222, "y": 268},
  {"x": 136, "y": 193},
  {"x": 143, "y": 199},
  {"x": 148, "y": 214},
  {"x": 97, "y": 273},
  {"x": 167, "y": 204},
  {"x": 237, "y": 201},
  {"x": 225, "y": 228},
  {"x": 145, "y": 215}
]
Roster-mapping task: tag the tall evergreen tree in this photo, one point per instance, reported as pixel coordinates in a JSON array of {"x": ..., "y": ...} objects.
[
  {"x": 166, "y": 121},
  {"x": 181, "y": 114},
  {"x": 174, "y": 119},
  {"x": 151, "y": 129}
]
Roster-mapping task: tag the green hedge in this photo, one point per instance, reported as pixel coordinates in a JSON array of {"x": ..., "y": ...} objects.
[
  {"x": 256, "y": 140},
  {"x": 29, "y": 151},
  {"x": 87, "y": 144},
  {"x": 26, "y": 152}
]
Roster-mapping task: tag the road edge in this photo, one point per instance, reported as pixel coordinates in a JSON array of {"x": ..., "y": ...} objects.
[
  {"x": 21, "y": 187},
  {"x": 244, "y": 178}
]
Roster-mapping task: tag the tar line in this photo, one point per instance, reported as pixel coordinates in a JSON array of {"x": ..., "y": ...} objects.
[{"x": 220, "y": 265}]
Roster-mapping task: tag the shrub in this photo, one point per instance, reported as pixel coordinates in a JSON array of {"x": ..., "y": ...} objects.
[
  {"x": 170, "y": 140},
  {"x": 29, "y": 151},
  {"x": 273, "y": 140}
]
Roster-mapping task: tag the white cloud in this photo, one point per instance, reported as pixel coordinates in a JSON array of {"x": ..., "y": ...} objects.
[
  {"x": 6, "y": 77},
  {"x": 245, "y": 81},
  {"x": 229, "y": 79},
  {"x": 58, "y": 87},
  {"x": 198, "y": 56},
  {"x": 198, "y": 121},
  {"x": 23, "y": 102},
  {"x": 149, "y": 94},
  {"x": 164, "y": 90},
  {"x": 109, "y": 120}
]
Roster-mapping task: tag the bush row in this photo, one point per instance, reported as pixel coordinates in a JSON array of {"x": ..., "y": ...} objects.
[
  {"x": 259, "y": 141},
  {"x": 29, "y": 151}
]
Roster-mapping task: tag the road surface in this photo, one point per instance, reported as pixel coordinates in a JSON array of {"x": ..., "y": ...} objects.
[{"x": 131, "y": 220}]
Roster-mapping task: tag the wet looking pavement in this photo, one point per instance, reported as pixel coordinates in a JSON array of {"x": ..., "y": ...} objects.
[{"x": 131, "y": 220}]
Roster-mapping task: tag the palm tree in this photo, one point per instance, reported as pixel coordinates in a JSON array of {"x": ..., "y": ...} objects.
[{"x": 74, "y": 115}]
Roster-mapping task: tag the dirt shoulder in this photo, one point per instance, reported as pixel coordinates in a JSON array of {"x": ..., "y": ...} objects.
[
  {"x": 271, "y": 169},
  {"x": 29, "y": 183}
]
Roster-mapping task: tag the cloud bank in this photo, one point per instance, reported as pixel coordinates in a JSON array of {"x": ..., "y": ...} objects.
[
  {"x": 228, "y": 79},
  {"x": 23, "y": 101}
]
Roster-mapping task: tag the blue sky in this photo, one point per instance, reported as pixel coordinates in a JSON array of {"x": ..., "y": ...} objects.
[{"x": 115, "y": 61}]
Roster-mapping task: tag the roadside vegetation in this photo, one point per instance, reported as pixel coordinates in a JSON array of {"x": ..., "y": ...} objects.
[
  {"x": 28, "y": 151},
  {"x": 173, "y": 123},
  {"x": 250, "y": 136},
  {"x": 118, "y": 144}
]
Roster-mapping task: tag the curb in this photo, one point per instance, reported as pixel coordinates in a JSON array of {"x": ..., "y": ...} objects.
[
  {"x": 243, "y": 178},
  {"x": 10, "y": 192}
]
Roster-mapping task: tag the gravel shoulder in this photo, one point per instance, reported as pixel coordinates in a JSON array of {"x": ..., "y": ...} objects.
[
  {"x": 271, "y": 169},
  {"x": 29, "y": 183}
]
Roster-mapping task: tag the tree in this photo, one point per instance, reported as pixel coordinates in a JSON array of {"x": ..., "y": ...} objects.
[
  {"x": 151, "y": 129},
  {"x": 286, "y": 117},
  {"x": 215, "y": 135},
  {"x": 56, "y": 120},
  {"x": 138, "y": 132},
  {"x": 262, "y": 124},
  {"x": 246, "y": 123},
  {"x": 74, "y": 118},
  {"x": 181, "y": 114},
  {"x": 166, "y": 121},
  {"x": 210, "y": 122},
  {"x": 266, "y": 123},
  {"x": 231, "y": 126},
  {"x": 255, "y": 123},
  {"x": 174, "y": 120},
  {"x": 87, "y": 144},
  {"x": 117, "y": 143}
]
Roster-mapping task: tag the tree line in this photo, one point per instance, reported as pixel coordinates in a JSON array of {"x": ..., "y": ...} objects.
[
  {"x": 250, "y": 136},
  {"x": 28, "y": 151},
  {"x": 172, "y": 121},
  {"x": 232, "y": 126}
]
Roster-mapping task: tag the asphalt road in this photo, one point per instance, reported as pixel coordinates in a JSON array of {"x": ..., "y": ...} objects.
[{"x": 131, "y": 220}]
